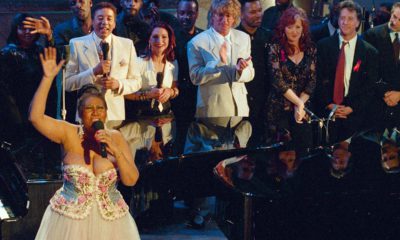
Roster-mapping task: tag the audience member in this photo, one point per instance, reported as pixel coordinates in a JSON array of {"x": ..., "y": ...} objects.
[
  {"x": 79, "y": 25},
  {"x": 292, "y": 62},
  {"x": 184, "y": 106},
  {"x": 258, "y": 89},
  {"x": 328, "y": 27},
  {"x": 159, "y": 72},
  {"x": 347, "y": 71},
  {"x": 20, "y": 73},
  {"x": 273, "y": 14},
  {"x": 151, "y": 14},
  {"x": 385, "y": 38},
  {"x": 129, "y": 24},
  {"x": 114, "y": 71},
  {"x": 220, "y": 63}
]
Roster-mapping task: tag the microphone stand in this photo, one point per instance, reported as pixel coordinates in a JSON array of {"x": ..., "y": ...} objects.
[
  {"x": 64, "y": 109},
  {"x": 322, "y": 123}
]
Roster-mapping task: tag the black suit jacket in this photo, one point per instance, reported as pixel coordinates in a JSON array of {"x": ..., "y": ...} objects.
[
  {"x": 272, "y": 15},
  {"x": 320, "y": 31},
  {"x": 361, "y": 82},
  {"x": 389, "y": 71}
]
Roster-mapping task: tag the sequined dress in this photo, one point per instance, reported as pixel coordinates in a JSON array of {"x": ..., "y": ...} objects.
[{"x": 87, "y": 207}]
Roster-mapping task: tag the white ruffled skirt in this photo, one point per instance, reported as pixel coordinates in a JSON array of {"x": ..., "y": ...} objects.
[{"x": 57, "y": 226}]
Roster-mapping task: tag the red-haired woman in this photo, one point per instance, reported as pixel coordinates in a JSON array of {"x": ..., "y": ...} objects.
[
  {"x": 159, "y": 72},
  {"x": 292, "y": 60}
]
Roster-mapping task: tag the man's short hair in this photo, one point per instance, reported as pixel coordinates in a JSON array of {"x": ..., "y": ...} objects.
[
  {"x": 396, "y": 5},
  {"x": 102, "y": 5},
  {"x": 195, "y": 3},
  {"x": 351, "y": 6},
  {"x": 243, "y": 2}
]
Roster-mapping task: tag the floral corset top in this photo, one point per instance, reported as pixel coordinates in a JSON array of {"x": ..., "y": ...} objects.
[{"x": 82, "y": 189}]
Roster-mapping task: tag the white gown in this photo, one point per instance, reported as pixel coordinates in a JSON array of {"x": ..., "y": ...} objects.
[{"x": 87, "y": 207}]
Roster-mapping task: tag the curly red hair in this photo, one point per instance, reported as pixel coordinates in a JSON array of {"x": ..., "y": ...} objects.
[{"x": 288, "y": 18}]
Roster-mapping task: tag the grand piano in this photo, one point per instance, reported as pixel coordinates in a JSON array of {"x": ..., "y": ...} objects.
[
  {"x": 262, "y": 191},
  {"x": 266, "y": 191}
]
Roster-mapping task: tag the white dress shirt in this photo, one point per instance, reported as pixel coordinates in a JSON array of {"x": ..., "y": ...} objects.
[
  {"x": 221, "y": 39},
  {"x": 349, "y": 50}
]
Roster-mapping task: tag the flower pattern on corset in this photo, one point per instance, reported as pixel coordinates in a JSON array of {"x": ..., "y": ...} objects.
[{"x": 81, "y": 189}]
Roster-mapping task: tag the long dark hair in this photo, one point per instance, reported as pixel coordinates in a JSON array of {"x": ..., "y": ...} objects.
[
  {"x": 15, "y": 23},
  {"x": 169, "y": 52},
  {"x": 288, "y": 18}
]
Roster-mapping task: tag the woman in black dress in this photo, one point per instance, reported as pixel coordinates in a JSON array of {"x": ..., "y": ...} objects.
[{"x": 292, "y": 60}]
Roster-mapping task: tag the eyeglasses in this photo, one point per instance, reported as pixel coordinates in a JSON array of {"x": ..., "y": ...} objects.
[{"x": 92, "y": 108}]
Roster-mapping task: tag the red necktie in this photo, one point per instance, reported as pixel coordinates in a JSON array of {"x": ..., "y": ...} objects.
[{"x": 338, "y": 91}]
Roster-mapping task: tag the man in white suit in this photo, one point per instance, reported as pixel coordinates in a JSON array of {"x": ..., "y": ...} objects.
[
  {"x": 220, "y": 63},
  {"x": 116, "y": 74}
]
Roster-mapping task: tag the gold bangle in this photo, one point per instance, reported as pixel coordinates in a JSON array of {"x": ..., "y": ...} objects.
[{"x": 176, "y": 92}]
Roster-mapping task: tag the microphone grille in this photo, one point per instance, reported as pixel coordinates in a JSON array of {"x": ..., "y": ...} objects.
[{"x": 97, "y": 125}]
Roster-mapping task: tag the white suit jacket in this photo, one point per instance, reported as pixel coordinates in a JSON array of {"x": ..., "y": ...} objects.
[
  {"x": 221, "y": 91},
  {"x": 84, "y": 57}
]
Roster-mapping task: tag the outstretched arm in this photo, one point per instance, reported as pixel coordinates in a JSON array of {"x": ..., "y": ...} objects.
[{"x": 49, "y": 127}]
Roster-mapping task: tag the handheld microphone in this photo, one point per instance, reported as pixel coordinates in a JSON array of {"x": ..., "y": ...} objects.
[
  {"x": 158, "y": 135},
  {"x": 98, "y": 125},
  {"x": 105, "y": 48},
  {"x": 159, "y": 79}
]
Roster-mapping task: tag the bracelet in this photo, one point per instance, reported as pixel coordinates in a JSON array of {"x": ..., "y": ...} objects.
[
  {"x": 143, "y": 96},
  {"x": 175, "y": 92}
]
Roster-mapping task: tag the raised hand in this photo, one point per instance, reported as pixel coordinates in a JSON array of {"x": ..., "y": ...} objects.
[
  {"x": 49, "y": 64},
  {"x": 41, "y": 26}
]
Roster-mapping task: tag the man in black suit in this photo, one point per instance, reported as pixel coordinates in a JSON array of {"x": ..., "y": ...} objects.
[
  {"x": 129, "y": 25},
  {"x": 258, "y": 89},
  {"x": 383, "y": 38},
  {"x": 77, "y": 26},
  {"x": 328, "y": 26},
  {"x": 271, "y": 15},
  {"x": 184, "y": 106},
  {"x": 346, "y": 75}
]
